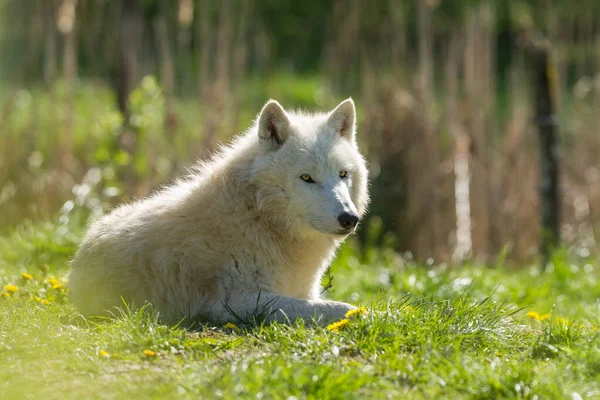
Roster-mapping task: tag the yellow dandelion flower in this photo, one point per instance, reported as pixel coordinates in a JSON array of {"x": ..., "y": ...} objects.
[
  {"x": 36, "y": 299},
  {"x": 336, "y": 326},
  {"x": 360, "y": 311},
  {"x": 103, "y": 353},
  {"x": 533, "y": 315},
  {"x": 4, "y": 294},
  {"x": 57, "y": 286},
  {"x": 52, "y": 281},
  {"x": 26, "y": 276},
  {"x": 149, "y": 353},
  {"x": 11, "y": 289},
  {"x": 45, "y": 301},
  {"x": 544, "y": 317},
  {"x": 408, "y": 309},
  {"x": 230, "y": 325}
]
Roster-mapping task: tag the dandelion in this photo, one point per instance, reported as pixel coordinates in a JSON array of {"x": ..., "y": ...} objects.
[
  {"x": 336, "y": 326},
  {"x": 537, "y": 316},
  {"x": 4, "y": 294},
  {"x": 37, "y": 299},
  {"x": 231, "y": 325},
  {"x": 26, "y": 276},
  {"x": 11, "y": 289},
  {"x": 54, "y": 283},
  {"x": 533, "y": 315},
  {"x": 360, "y": 311},
  {"x": 149, "y": 353},
  {"x": 408, "y": 309},
  {"x": 104, "y": 354}
]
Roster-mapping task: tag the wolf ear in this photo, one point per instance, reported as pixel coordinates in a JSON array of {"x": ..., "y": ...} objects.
[
  {"x": 343, "y": 119},
  {"x": 273, "y": 125}
]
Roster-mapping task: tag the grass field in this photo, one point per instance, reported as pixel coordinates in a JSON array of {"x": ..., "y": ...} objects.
[{"x": 429, "y": 332}]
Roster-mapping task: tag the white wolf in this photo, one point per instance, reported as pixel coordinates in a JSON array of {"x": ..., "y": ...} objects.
[{"x": 251, "y": 231}]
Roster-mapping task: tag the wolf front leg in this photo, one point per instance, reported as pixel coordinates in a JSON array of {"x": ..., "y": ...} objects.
[{"x": 271, "y": 307}]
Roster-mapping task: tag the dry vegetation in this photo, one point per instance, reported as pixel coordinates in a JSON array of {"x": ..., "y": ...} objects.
[{"x": 440, "y": 89}]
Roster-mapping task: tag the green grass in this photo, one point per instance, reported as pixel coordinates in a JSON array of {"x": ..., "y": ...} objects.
[{"x": 430, "y": 332}]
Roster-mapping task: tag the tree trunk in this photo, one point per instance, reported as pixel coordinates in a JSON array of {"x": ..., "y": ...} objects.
[
  {"x": 430, "y": 240},
  {"x": 216, "y": 118},
  {"x": 167, "y": 72},
  {"x": 597, "y": 85},
  {"x": 545, "y": 82},
  {"x": 167, "y": 77},
  {"x": 185, "y": 17},
  {"x": 67, "y": 17},
  {"x": 461, "y": 157},
  {"x": 240, "y": 59},
  {"x": 398, "y": 49},
  {"x": 224, "y": 48},
  {"x": 50, "y": 66},
  {"x": 204, "y": 39},
  {"x": 477, "y": 86},
  {"x": 128, "y": 59}
]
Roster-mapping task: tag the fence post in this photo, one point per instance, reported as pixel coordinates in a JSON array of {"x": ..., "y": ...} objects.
[{"x": 545, "y": 85}]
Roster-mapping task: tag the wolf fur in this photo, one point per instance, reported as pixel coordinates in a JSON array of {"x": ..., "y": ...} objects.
[{"x": 245, "y": 233}]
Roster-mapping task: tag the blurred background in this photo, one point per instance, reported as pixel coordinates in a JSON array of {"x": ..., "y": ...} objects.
[{"x": 105, "y": 100}]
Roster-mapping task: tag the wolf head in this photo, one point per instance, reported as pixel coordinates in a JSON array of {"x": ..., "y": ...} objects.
[{"x": 309, "y": 170}]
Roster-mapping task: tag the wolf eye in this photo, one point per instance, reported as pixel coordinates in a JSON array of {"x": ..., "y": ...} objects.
[
  {"x": 307, "y": 178},
  {"x": 343, "y": 174}
]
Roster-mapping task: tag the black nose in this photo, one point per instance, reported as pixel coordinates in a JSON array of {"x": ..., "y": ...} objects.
[{"x": 348, "y": 220}]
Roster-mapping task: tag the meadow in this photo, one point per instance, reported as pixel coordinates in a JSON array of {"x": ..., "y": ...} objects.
[
  {"x": 102, "y": 102},
  {"x": 427, "y": 331}
]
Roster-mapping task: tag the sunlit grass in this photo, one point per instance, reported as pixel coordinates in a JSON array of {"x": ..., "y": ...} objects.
[{"x": 422, "y": 332}]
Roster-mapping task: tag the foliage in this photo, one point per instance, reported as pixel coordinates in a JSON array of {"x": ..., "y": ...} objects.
[
  {"x": 428, "y": 332},
  {"x": 431, "y": 79},
  {"x": 296, "y": 34},
  {"x": 113, "y": 158}
]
